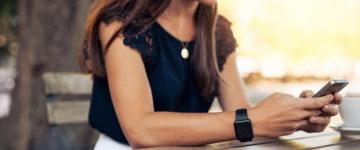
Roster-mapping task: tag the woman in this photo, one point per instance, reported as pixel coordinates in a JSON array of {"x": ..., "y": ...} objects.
[{"x": 157, "y": 66}]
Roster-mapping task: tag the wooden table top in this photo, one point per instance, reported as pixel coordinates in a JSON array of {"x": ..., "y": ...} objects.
[{"x": 329, "y": 139}]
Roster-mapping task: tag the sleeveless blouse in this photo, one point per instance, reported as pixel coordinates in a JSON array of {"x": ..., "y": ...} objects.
[{"x": 170, "y": 76}]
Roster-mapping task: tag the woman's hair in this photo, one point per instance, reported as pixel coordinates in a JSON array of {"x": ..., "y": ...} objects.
[{"x": 141, "y": 14}]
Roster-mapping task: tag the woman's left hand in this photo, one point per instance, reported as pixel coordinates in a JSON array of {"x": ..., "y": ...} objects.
[{"x": 319, "y": 123}]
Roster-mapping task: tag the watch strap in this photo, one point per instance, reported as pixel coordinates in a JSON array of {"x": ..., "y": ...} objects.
[
  {"x": 243, "y": 126},
  {"x": 241, "y": 114}
]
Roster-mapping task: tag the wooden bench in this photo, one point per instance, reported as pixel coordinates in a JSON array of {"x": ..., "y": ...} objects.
[{"x": 68, "y": 97}]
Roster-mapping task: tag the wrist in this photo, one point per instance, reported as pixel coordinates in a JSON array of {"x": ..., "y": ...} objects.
[
  {"x": 258, "y": 126},
  {"x": 243, "y": 126}
]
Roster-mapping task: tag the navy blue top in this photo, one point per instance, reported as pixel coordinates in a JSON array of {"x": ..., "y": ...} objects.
[{"x": 170, "y": 78}]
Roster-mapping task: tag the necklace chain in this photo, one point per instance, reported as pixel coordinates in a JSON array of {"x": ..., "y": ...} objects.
[{"x": 184, "y": 51}]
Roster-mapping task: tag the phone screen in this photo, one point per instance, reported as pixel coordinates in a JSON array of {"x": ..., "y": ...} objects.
[{"x": 331, "y": 87}]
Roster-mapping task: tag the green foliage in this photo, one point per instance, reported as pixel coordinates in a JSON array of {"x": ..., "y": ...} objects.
[
  {"x": 7, "y": 8},
  {"x": 7, "y": 29}
]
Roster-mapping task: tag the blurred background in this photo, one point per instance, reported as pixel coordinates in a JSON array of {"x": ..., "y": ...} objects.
[{"x": 285, "y": 46}]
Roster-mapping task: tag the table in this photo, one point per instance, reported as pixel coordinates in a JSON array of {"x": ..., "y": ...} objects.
[{"x": 329, "y": 139}]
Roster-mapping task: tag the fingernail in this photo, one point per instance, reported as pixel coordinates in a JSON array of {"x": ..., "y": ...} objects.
[
  {"x": 319, "y": 113},
  {"x": 312, "y": 119},
  {"x": 326, "y": 107}
]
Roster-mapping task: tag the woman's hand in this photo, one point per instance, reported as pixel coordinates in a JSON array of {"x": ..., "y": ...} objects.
[
  {"x": 282, "y": 114},
  {"x": 319, "y": 123}
]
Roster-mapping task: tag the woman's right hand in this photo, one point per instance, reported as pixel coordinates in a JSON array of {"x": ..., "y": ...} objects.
[{"x": 282, "y": 114}]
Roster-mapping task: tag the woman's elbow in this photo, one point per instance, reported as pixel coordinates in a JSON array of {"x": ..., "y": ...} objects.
[{"x": 139, "y": 136}]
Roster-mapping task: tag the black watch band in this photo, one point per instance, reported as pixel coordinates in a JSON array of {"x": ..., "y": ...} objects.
[
  {"x": 243, "y": 126},
  {"x": 241, "y": 114}
]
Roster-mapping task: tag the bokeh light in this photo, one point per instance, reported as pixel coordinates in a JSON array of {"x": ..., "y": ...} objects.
[{"x": 298, "y": 37}]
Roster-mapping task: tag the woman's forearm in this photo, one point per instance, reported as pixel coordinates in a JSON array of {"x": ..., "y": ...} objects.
[{"x": 168, "y": 128}]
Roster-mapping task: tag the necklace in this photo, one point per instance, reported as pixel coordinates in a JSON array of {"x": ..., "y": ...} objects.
[{"x": 184, "y": 50}]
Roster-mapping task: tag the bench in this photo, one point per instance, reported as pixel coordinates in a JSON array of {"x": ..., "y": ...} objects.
[
  {"x": 68, "y": 97},
  {"x": 67, "y": 101}
]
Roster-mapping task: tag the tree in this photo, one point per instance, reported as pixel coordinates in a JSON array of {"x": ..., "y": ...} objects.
[{"x": 49, "y": 33}]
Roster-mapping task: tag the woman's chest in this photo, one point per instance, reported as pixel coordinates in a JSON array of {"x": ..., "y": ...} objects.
[{"x": 170, "y": 79}]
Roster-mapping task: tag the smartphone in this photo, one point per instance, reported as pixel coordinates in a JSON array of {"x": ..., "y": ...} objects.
[{"x": 332, "y": 87}]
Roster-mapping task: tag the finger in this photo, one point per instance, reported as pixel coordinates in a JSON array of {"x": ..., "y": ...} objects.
[
  {"x": 302, "y": 123},
  {"x": 314, "y": 128},
  {"x": 306, "y": 94},
  {"x": 316, "y": 103},
  {"x": 308, "y": 113},
  {"x": 330, "y": 110},
  {"x": 323, "y": 120},
  {"x": 337, "y": 98}
]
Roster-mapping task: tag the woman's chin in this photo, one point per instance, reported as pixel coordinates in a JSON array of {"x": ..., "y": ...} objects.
[{"x": 208, "y": 2}]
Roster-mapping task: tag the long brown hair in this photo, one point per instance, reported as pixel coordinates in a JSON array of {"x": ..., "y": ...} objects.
[{"x": 142, "y": 14}]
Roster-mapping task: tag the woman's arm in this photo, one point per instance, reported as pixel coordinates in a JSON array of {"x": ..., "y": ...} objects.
[
  {"x": 232, "y": 93},
  {"x": 143, "y": 127},
  {"x": 131, "y": 95},
  {"x": 134, "y": 107}
]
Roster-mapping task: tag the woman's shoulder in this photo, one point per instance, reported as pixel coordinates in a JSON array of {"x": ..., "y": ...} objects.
[
  {"x": 225, "y": 40},
  {"x": 222, "y": 22},
  {"x": 107, "y": 30},
  {"x": 140, "y": 42},
  {"x": 223, "y": 33}
]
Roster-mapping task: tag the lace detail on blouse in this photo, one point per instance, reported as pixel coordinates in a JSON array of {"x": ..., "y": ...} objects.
[
  {"x": 225, "y": 41},
  {"x": 142, "y": 42}
]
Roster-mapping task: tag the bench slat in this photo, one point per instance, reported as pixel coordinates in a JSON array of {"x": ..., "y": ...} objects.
[
  {"x": 68, "y": 112},
  {"x": 65, "y": 83}
]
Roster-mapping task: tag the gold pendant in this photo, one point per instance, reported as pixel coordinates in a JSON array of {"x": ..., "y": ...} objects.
[{"x": 185, "y": 53}]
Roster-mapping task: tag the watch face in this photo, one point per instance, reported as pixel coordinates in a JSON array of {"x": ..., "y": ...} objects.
[{"x": 244, "y": 129}]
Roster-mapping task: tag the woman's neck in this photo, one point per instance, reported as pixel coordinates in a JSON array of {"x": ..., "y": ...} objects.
[
  {"x": 178, "y": 19},
  {"x": 182, "y": 9}
]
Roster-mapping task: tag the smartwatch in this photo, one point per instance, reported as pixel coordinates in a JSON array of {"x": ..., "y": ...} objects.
[{"x": 243, "y": 126}]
